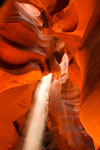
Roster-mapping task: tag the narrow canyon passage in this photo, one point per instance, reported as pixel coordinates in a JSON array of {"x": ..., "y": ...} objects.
[{"x": 38, "y": 110}]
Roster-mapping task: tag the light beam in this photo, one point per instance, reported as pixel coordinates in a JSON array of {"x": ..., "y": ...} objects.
[{"x": 36, "y": 122}]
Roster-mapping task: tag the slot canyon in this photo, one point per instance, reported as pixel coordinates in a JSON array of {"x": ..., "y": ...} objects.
[{"x": 50, "y": 75}]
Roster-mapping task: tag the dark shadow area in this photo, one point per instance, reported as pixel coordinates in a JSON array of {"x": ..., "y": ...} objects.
[{"x": 61, "y": 4}]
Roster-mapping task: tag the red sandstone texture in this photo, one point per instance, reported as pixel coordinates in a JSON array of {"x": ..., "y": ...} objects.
[{"x": 66, "y": 21}]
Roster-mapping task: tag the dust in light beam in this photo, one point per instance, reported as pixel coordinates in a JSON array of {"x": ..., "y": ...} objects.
[{"x": 36, "y": 122}]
